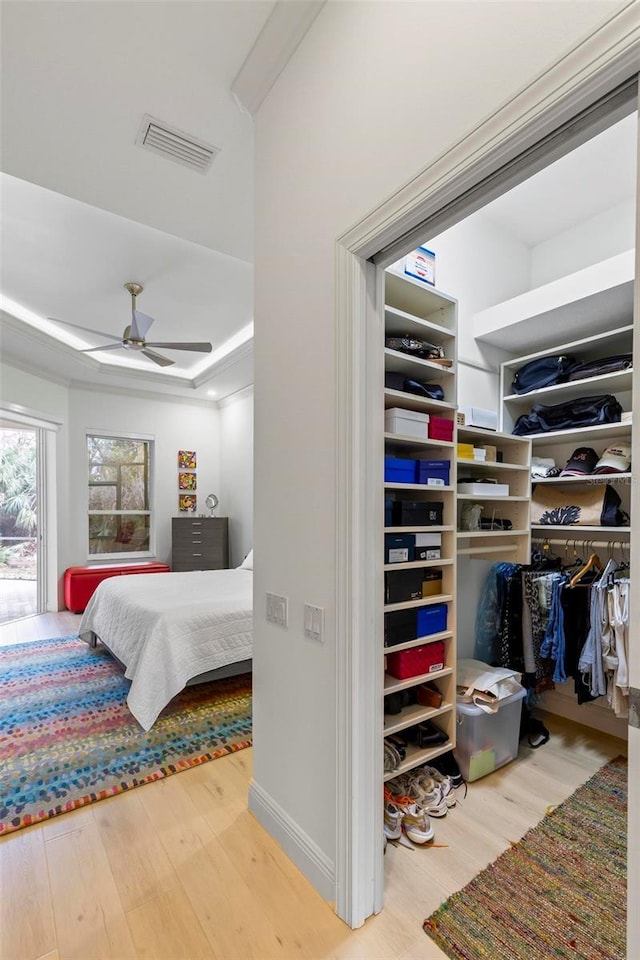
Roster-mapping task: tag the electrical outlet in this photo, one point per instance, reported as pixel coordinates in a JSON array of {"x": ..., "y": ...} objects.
[
  {"x": 277, "y": 610},
  {"x": 313, "y": 622}
]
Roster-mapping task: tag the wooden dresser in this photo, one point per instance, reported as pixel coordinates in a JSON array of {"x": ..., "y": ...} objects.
[{"x": 199, "y": 543}]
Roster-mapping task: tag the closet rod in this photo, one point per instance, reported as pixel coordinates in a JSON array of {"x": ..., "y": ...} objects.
[{"x": 596, "y": 544}]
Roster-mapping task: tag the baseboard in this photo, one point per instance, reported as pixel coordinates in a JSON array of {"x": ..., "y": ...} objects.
[
  {"x": 594, "y": 715},
  {"x": 307, "y": 856}
]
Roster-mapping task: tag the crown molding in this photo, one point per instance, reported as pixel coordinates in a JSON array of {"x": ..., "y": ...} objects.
[
  {"x": 242, "y": 394},
  {"x": 276, "y": 43},
  {"x": 153, "y": 395},
  {"x": 244, "y": 351}
]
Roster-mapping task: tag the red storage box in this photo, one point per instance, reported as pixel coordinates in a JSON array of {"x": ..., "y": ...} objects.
[
  {"x": 440, "y": 428},
  {"x": 80, "y": 582},
  {"x": 418, "y": 660}
]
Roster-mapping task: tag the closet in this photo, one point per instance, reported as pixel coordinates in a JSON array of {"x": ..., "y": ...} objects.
[{"x": 546, "y": 270}]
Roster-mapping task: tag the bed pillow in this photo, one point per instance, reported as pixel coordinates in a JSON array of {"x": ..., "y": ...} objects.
[{"x": 247, "y": 563}]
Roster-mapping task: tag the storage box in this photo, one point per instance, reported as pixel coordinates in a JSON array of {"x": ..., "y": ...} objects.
[
  {"x": 477, "y": 417},
  {"x": 417, "y": 513},
  {"x": 439, "y": 428},
  {"x": 431, "y": 583},
  {"x": 416, "y": 661},
  {"x": 400, "y": 627},
  {"x": 399, "y": 470},
  {"x": 410, "y": 423},
  {"x": 398, "y": 547},
  {"x": 486, "y": 741},
  {"x": 484, "y": 489},
  {"x": 421, "y": 264},
  {"x": 401, "y": 585},
  {"x": 431, "y": 619},
  {"x": 81, "y": 582},
  {"x": 427, "y": 546},
  {"x": 434, "y": 473},
  {"x": 479, "y": 454},
  {"x": 491, "y": 452},
  {"x": 464, "y": 451}
]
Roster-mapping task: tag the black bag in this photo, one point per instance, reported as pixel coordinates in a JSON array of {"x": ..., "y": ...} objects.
[
  {"x": 582, "y": 412},
  {"x": 415, "y": 348},
  {"x": 398, "y": 381},
  {"x": 596, "y": 368},
  {"x": 542, "y": 372}
]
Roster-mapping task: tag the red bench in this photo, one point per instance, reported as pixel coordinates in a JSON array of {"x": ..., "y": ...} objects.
[{"x": 80, "y": 582}]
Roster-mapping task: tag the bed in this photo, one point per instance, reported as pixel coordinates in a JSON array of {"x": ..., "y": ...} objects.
[{"x": 172, "y": 629}]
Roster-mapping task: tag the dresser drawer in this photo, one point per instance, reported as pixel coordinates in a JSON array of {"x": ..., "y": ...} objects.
[{"x": 199, "y": 543}]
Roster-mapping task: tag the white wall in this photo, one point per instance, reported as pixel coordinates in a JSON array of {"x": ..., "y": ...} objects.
[
  {"x": 599, "y": 238},
  {"x": 373, "y": 94},
  {"x": 174, "y": 425},
  {"x": 236, "y": 472}
]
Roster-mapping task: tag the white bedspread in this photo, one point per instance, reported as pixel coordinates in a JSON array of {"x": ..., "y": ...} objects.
[{"x": 169, "y": 627}]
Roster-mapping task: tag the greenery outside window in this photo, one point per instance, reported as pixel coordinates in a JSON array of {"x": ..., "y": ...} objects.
[{"x": 119, "y": 477}]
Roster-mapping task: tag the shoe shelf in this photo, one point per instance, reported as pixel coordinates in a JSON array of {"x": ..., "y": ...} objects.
[
  {"x": 417, "y": 310},
  {"x": 578, "y": 529},
  {"x": 588, "y": 480},
  {"x": 417, "y": 756},
  {"x": 601, "y": 432},
  {"x": 618, "y": 382},
  {"x": 409, "y": 716}
]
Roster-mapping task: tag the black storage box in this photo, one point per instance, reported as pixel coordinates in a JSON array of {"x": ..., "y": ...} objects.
[
  {"x": 398, "y": 547},
  {"x": 394, "y": 381},
  {"x": 417, "y": 513},
  {"x": 400, "y": 626},
  {"x": 401, "y": 585}
]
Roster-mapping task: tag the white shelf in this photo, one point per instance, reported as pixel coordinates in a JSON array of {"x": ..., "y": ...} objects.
[
  {"x": 487, "y": 496},
  {"x": 393, "y": 684},
  {"x": 475, "y": 534},
  {"x": 411, "y": 529},
  {"x": 399, "y": 323},
  {"x": 420, "y": 642},
  {"x": 422, "y": 602},
  {"x": 402, "y": 440},
  {"x": 417, "y": 564},
  {"x": 411, "y": 715},
  {"x": 602, "y": 431},
  {"x": 414, "y": 367},
  {"x": 444, "y": 488},
  {"x": 492, "y": 464},
  {"x": 577, "y": 529},
  {"x": 413, "y": 401},
  {"x": 587, "y": 480},
  {"x": 416, "y": 757}
]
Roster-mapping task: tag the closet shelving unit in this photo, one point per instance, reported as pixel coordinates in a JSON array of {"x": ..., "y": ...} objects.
[
  {"x": 415, "y": 309},
  {"x": 514, "y": 470},
  {"x": 560, "y": 444}
]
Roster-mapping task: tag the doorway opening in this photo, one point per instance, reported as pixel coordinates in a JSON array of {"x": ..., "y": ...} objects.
[{"x": 21, "y": 587}]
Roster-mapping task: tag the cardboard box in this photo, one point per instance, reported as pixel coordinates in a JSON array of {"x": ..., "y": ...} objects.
[
  {"x": 491, "y": 452},
  {"x": 421, "y": 265},
  {"x": 431, "y": 583}
]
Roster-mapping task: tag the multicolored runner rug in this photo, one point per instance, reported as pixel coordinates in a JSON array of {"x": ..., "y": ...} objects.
[
  {"x": 558, "y": 893},
  {"x": 67, "y": 738}
]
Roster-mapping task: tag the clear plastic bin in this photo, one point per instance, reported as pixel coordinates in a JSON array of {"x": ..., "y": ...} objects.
[{"x": 486, "y": 741}]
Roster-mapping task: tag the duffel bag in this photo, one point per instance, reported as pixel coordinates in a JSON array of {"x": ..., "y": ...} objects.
[
  {"x": 542, "y": 372},
  {"x": 597, "y": 368},
  {"x": 599, "y": 505},
  {"x": 573, "y": 414}
]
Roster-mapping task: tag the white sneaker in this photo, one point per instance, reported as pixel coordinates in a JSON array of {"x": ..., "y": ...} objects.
[
  {"x": 393, "y": 816},
  {"x": 445, "y": 783},
  {"x": 416, "y": 824},
  {"x": 428, "y": 794}
]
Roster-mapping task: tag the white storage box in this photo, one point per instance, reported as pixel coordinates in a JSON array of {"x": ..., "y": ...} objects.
[
  {"x": 421, "y": 264},
  {"x": 427, "y": 546},
  {"x": 484, "y": 489},
  {"x": 486, "y": 741},
  {"x": 410, "y": 423},
  {"x": 477, "y": 417}
]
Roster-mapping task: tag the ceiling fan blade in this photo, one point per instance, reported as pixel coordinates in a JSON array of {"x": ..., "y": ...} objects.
[
  {"x": 161, "y": 361},
  {"x": 140, "y": 323},
  {"x": 198, "y": 347},
  {"x": 107, "y": 346},
  {"x": 98, "y": 333}
]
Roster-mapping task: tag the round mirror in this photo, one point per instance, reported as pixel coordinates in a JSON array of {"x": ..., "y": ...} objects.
[{"x": 212, "y": 502}]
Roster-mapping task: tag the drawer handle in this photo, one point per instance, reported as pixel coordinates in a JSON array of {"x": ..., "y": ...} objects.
[
  {"x": 196, "y": 523},
  {"x": 196, "y": 541},
  {"x": 196, "y": 554}
]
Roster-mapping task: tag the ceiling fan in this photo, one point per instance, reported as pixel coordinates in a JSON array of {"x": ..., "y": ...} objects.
[{"x": 133, "y": 337}]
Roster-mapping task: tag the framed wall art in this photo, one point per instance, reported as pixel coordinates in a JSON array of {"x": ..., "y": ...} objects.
[
  {"x": 186, "y": 459},
  {"x": 187, "y": 481},
  {"x": 187, "y": 503}
]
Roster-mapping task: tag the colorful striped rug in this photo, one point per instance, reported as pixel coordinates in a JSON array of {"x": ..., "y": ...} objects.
[
  {"x": 558, "y": 893},
  {"x": 67, "y": 738}
]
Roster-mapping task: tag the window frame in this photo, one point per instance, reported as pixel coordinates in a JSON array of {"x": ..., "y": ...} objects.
[{"x": 123, "y": 555}]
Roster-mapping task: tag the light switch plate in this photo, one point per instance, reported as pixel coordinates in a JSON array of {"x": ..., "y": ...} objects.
[
  {"x": 277, "y": 610},
  {"x": 313, "y": 622}
]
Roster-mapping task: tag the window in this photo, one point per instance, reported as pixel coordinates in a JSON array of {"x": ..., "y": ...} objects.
[{"x": 119, "y": 478}]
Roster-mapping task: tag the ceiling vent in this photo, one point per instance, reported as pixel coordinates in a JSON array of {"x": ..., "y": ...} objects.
[{"x": 176, "y": 145}]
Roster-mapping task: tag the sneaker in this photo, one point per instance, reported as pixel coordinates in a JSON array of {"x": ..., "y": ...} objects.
[
  {"x": 427, "y": 793},
  {"x": 444, "y": 782},
  {"x": 446, "y": 763},
  {"x": 416, "y": 824},
  {"x": 393, "y": 816}
]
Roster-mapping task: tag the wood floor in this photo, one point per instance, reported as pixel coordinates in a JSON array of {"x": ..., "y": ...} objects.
[{"x": 179, "y": 870}]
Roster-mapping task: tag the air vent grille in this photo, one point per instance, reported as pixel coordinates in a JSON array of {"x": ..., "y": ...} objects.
[{"x": 176, "y": 145}]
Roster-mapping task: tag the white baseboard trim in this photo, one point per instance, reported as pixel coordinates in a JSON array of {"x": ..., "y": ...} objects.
[
  {"x": 594, "y": 715},
  {"x": 299, "y": 847}
]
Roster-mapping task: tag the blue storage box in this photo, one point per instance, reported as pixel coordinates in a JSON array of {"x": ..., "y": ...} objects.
[
  {"x": 432, "y": 619},
  {"x": 388, "y": 511},
  {"x": 399, "y": 470},
  {"x": 433, "y": 472},
  {"x": 399, "y": 547}
]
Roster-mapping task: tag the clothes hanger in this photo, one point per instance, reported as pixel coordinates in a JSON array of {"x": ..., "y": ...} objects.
[{"x": 593, "y": 563}]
